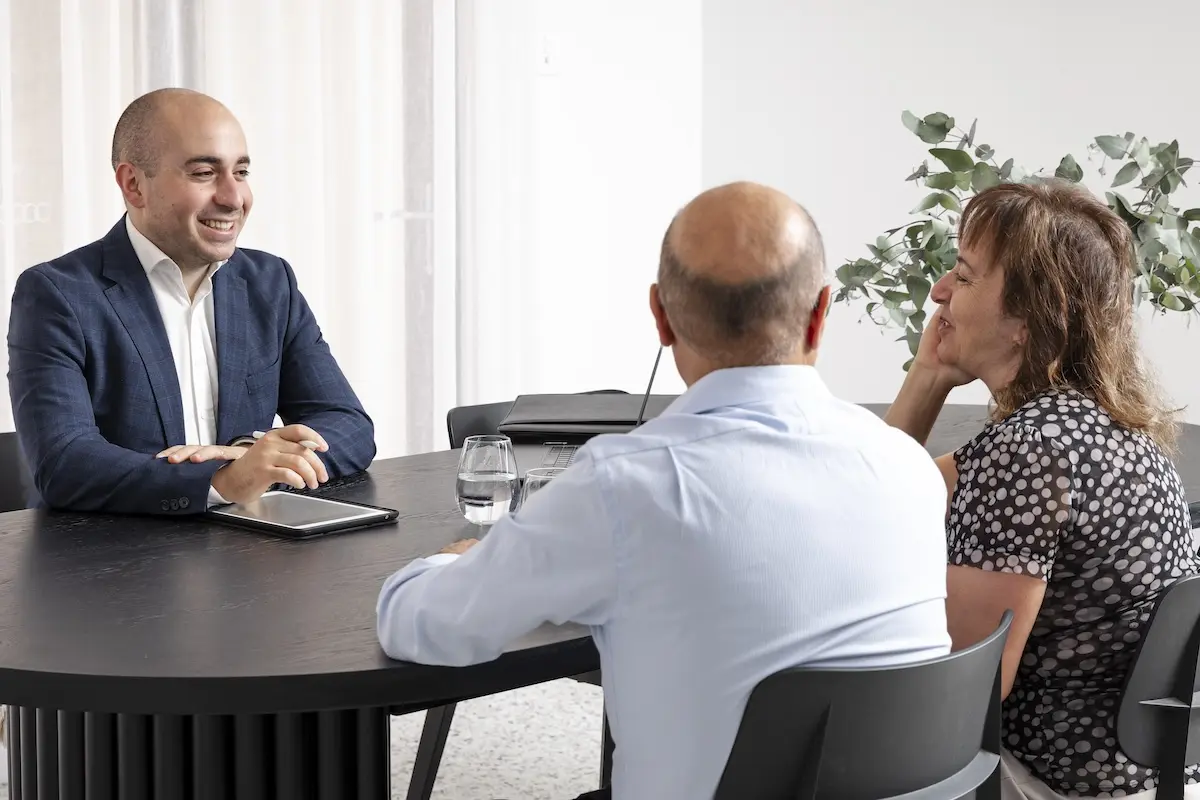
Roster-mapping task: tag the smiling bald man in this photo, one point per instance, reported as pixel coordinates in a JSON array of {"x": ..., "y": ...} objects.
[
  {"x": 722, "y": 541},
  {"x": 142, "y": 365}
]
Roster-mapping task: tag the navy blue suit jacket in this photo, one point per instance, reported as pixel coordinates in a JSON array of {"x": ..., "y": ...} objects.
[{"x": 95, "y": 393}]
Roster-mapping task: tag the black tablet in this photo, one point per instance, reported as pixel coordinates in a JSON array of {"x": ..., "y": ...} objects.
[{"x": 298, "y": 516}]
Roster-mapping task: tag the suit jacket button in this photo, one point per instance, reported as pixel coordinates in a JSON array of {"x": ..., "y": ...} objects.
[
  {"x": 174, "y": 505},
  {"x": 166, "y": 505},
  {"x": 184, "y": 502}
]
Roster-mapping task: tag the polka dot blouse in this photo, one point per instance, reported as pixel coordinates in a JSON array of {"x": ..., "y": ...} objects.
[{"x": 1057, "y": 491}]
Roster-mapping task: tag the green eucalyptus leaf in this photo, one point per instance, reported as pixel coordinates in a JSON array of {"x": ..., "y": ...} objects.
[
  {"x": 914, "y": 340},
  {"x": 939, "y": 120},
  {"x": 927, "y": 202},
  {"x": 865, "y": 269},
  {"x": 1113, "y": 146},
  {"x": 984, "y": 152},
  {"x": 1141, "y": 154},
  {"x": 1192, "y": 214},
  {"x": 955, "y": 160},
  {"x": 911, "y": 121},
  {"x": 886, "y": 248},
  {"x": 1170, "y": 302},
  {"x": 918, "y": 290},
  {"x": 1006, "y": 169},
  {"x": 984, "y": 176},
  {"x": 970, "y": 139},
  {"x": 919, "y": 173},
  {"x": 1151, "y": 250},
  {"x": 1069, "y": 169},
  {"x": 1125, "y": 174},
  {"x": 1168, "y": 155},
  {"x": 949, "y": 202},
  {"x": 942, "y": 180},
  {"x": 932, "y": 135}
]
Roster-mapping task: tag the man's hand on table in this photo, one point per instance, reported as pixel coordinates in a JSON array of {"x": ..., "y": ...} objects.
[
  {"x": 278, "y": 457},
  {"x": 199, "y": 453},
  {"x": 459, "y": 547}
]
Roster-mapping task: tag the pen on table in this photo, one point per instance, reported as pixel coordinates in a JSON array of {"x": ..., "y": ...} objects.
[{"x": 309, "y": 443}]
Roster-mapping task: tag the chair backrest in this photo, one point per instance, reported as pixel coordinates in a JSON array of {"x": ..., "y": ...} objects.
[
  {"x": 485, "y": 419},
  {"x": 1156, "y": 721},
  {"x": 927, "y": 730},
  {"x": 16, "y": 482},
  {"x": 479, "y": 420}
]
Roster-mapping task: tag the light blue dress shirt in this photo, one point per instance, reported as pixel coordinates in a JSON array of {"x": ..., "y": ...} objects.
[{"x": 759, "y": 523}]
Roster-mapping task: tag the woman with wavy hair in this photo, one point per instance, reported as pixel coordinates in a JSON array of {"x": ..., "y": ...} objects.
[{"x": 1066, "y": 508}]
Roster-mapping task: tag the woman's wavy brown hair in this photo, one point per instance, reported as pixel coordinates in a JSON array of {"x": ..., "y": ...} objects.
[{"x": 1069, "y": 263}]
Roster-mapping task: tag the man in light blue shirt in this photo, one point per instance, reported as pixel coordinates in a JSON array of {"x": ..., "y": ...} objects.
[{"x": 759, "y": 523}]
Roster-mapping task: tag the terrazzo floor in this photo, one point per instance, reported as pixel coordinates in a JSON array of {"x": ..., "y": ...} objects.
[{"x": 538, "y": 743}]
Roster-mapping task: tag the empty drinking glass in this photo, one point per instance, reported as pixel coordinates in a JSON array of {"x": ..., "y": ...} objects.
[
  {"x": 487, "y": 478},
  {"x": 537, "y": 478}
]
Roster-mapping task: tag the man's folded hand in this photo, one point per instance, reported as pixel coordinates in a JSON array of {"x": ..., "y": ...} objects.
[{"x": 285, "y": 455}]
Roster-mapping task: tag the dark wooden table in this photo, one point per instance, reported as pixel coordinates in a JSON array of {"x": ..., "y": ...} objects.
[
  {"x": 176, "y": 658},
  {"x": 150, "y": 657}
]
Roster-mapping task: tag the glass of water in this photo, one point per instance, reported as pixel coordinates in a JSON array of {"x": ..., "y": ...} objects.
[
  {"x": 536, "y": 479},
  {"x": 487, "y": 478}
]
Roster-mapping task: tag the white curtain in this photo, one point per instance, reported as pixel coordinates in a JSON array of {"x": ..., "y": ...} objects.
[{"x": 348, "y": 108}]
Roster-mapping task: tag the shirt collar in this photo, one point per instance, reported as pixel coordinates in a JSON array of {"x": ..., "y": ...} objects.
[
  {"x": 148, "y": 253},
  {"x": 741, "y": 386}
]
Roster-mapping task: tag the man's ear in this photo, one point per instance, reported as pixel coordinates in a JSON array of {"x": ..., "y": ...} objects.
[
  {"x": 816, "y": 320},
  {"x": 132, "y": 183},
  {"x": 666, "y": 336}
]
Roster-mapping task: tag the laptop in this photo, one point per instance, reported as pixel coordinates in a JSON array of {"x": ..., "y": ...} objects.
[{"x": 548, "y": 430}]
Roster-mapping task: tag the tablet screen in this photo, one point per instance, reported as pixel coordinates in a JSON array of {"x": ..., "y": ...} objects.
[{"x": 298, "y": 511}]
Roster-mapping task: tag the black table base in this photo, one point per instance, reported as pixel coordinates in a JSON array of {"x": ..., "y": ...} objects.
[{"x": 327, "y": 755}]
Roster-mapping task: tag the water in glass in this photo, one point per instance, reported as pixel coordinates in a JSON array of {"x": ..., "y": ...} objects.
[{"x": 487, "y": 479}]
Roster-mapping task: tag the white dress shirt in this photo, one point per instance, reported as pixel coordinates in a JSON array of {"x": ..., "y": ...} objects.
[
  {"x": 191, "y": 331},
  {"x": 759, "y": 523}
]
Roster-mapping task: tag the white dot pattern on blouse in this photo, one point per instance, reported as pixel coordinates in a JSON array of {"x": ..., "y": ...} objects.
[{"x": 1057, "y": 491}]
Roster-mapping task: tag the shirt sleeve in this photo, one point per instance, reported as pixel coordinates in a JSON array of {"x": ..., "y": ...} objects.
[
  {"x": 552, "y": 561},
  {"x": 1012, "y": 502}
]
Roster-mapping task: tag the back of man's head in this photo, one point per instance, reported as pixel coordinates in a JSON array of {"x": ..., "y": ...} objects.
[{"x": 741, "y": 271}]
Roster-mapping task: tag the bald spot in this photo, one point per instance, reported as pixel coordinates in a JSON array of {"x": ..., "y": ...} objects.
[
  {"x": 742, "y": 267},
  {"x": 739, "y": 233},
  {"x": 156, "y": 118}
]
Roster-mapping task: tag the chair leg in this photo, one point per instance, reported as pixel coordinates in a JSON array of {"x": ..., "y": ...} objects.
[
  {"x": 606, "y": 754},
  {"x": 429, "y": 752}
]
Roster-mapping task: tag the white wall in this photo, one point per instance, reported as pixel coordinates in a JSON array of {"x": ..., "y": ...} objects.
[
  {"x": 569, "y": 174},
  {"x": 806, "y": 95}
]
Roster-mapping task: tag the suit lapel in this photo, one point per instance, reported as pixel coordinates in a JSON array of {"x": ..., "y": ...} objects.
[
  {"x": 133, "y": 301},
  {"x": 232, "y": 309}
]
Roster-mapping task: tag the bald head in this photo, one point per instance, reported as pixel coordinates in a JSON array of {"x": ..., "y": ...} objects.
[
  {"x": 147, "y": 122},
  {"x": 741, "y": 269}
]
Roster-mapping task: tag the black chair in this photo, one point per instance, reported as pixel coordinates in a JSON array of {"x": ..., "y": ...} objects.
[
  {"x": 1159, "y": 716},
  {"x": 479, "y": 420},
  {"x": 16, "y": 482},
  {"x": 927, "y": 731},
  {"x": 485, "y": 419}
]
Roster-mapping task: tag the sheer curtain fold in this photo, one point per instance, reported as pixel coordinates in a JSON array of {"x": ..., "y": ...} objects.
[{"x": 339, "y": 103}]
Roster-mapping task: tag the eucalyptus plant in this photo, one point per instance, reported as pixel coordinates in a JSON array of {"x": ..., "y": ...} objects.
[{"x": 907, "y": 260}]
